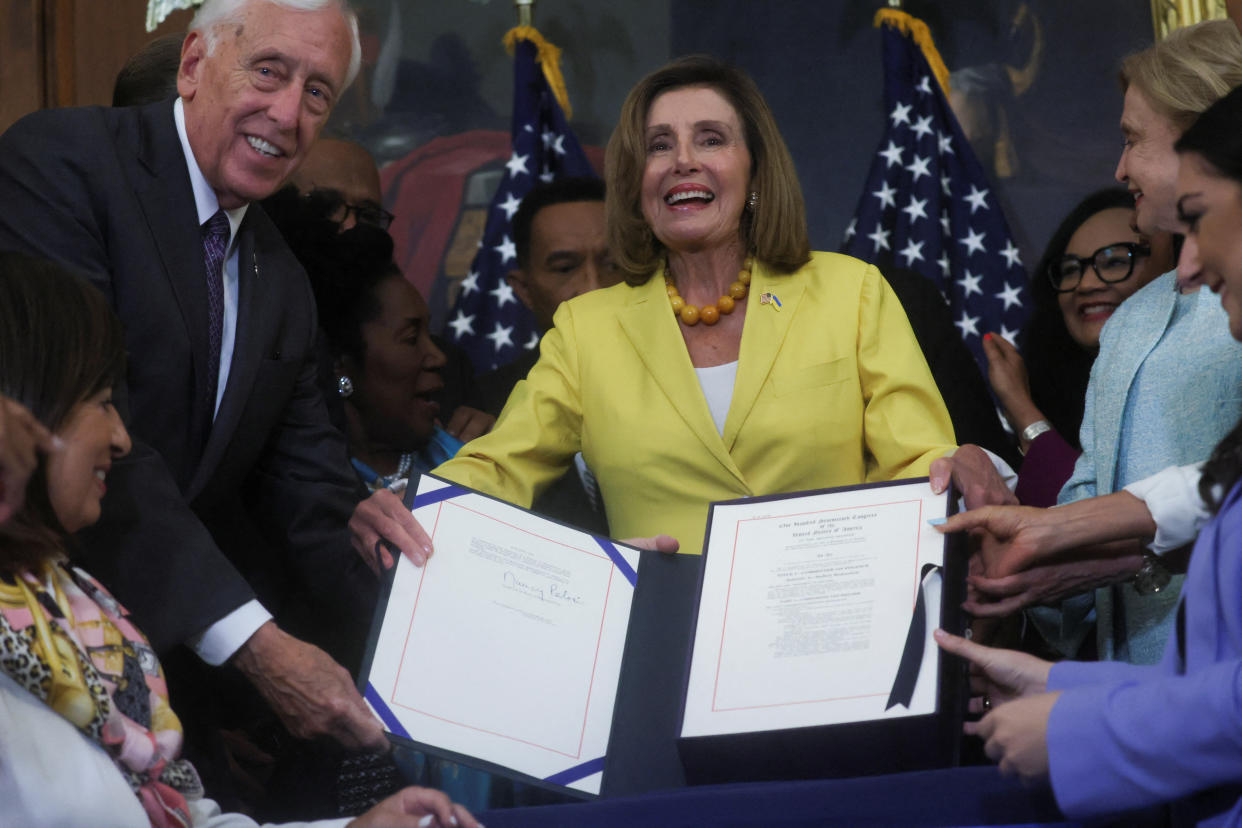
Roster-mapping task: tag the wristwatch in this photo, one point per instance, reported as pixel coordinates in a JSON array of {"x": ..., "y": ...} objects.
[{"x": 1152, "y": 576}]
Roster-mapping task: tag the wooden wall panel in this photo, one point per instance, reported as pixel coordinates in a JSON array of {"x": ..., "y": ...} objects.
[
  {"x": 67, "y": 52},
  {"x": 21, "y": 59},
  {"x": 106, "y": 34}
]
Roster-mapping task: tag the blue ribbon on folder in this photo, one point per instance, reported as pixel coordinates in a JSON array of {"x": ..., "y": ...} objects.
[
  {"x": 386, "y": 716},
  {"x": 436, "y": 495},
  {"x": 570, "y": 775},
  {"x": 618, "y": 560}
]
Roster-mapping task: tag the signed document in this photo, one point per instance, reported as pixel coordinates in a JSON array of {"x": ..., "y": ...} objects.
[
  {"x": 506, "y": 647},
  {"x": 807, "y": 604}
]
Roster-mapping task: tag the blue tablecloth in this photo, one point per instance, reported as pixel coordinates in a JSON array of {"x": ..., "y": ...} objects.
[{"x": 970, "y": 796}]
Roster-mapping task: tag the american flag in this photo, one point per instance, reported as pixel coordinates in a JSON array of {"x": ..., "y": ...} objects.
[
  {"x": 928, "y": 206},
  {"x": 488, "y": 321}
]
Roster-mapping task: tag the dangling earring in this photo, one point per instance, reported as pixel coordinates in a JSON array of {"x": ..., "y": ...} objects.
[
  {"x": 753, "y": 201},
  {"x": 344, "y": 387}
]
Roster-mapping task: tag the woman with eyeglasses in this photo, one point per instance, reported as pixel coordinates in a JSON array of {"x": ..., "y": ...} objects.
[{"x": 1094, "y": 262}]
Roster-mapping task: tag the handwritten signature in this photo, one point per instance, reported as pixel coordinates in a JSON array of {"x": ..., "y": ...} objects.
[{"x": 555, "y": 593}]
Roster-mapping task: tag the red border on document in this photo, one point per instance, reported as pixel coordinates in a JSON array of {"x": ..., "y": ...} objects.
[
  {"x": 732, "y": 562},
  {"x": 595, "y": 659}
]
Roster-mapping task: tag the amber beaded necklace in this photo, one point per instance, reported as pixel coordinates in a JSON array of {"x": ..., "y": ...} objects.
[{"x": 708, "y": 314}]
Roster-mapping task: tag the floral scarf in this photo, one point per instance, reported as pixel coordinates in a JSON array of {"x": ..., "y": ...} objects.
[{"x": 66, "y": 640}]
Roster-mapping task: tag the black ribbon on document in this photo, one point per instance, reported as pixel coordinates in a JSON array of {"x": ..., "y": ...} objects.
[{"x": 912, "y": 654}]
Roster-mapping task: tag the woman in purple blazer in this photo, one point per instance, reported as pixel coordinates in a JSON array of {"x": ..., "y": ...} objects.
[{"x": 1113, "y": 736}]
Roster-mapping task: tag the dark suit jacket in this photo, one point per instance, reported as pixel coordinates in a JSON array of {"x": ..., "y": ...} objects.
[{"x": 106, "y": 191}]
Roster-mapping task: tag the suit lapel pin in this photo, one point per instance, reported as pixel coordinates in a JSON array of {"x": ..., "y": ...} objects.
[{"x": 769, "y": 298}]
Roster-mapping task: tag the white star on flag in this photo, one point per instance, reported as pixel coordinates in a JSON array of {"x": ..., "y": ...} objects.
[
  {"x": 977, "y": 199},
  {"x": 945, "y": 267},
  {"x": 507, "y": 250},
  {"x": 533, "y": 342},
  {"x": 918, "y": 167},
  {"x": 945, "y": 142},
  {"x": 850, "y": 231},
  {"x": 470, "y": 284},
  {"x": 517, "y": 165},
  {"x": 913, "y": 252},
  {"x": 885, "y": 195},
  {"x": 891, "y": 154},
  {"x": 970, "y": 284},
  {"x": 973, "y": 241},
  {"x": 501, "y": 337},
  {"x": 968, "y": 325},
  {"x": 1011, "y": 254},
  {"x": 1009, "y": 336},
  {"x": 923, "y": 126},
  {"x": 880, "y": 237},
  {"x": 510, "y": 206},
  {"x": 1011, "y": 295},
  {"x": 462, "y": 325},
  {"x": 558, "y": 146},
  {"x": 900, "y": 114},
  {"x": 924, "y": 86},
  {"x": 503, "y": 293},
  {"x": 916, "y": 208}
]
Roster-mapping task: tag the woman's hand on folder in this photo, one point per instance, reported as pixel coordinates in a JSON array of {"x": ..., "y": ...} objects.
[
  {"x": 657, "y": 543},
  {"x": 381, "y": 522}
]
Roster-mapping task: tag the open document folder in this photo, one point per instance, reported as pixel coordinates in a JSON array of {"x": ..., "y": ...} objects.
[
  {"x": 506, "y": 646},
  {"x": 813, "y": 636}
]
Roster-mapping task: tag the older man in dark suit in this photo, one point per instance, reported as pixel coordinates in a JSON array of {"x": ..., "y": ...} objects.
[{"x": 153, "y": 204}]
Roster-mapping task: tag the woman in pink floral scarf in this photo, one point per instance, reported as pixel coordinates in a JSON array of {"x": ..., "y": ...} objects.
[{"x": 87, "y": 736}]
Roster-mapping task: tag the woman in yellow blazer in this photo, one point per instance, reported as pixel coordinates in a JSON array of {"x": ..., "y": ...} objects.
[{"x": 775, "y": 370}]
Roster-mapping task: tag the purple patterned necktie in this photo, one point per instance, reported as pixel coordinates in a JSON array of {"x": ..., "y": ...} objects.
[{"x": 215, "y": 242}]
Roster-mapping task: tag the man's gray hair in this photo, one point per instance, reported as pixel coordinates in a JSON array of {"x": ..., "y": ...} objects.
[{"x": 216, "y": 13}]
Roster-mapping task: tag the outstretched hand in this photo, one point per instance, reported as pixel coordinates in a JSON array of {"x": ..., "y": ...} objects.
[
  {"x": 312, "y": 694},
  {"x": 1045, "y": 584},
  {"x": 1010, "y": 538},
  {"x": 1000, "y": 675}
]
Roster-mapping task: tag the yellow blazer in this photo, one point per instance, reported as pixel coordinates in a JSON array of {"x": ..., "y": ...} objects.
[{"x": 831, "y": 390}]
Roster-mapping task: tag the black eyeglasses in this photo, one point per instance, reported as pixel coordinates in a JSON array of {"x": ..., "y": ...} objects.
[
  {"x": 1112, "y": 263},
  {"x": 367, "y": 212},
  {"x": 334, "y": 206}
]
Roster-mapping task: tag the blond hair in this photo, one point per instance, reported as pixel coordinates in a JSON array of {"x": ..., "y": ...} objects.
[
  {"x": 774, "y": 230},
  {"x": 1188, "y": 71}
]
